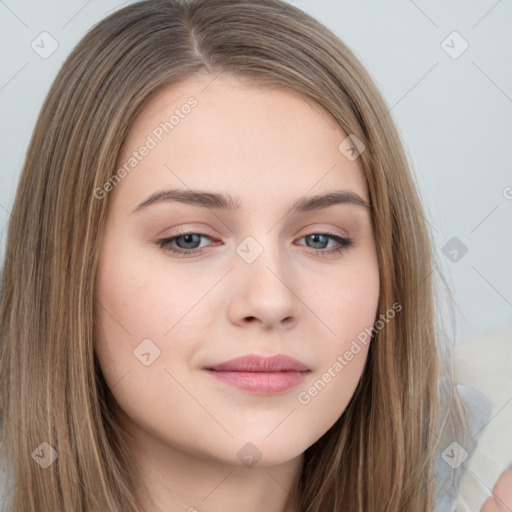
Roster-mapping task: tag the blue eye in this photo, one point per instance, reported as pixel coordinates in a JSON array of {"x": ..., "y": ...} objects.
[
  {"x": 189, "y": 241},
  {"x": 189, "y": 244},
  {"x": 321, "y": 240}
]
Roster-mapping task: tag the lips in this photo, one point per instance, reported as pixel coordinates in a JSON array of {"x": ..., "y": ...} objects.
[
  {"x": 254, "y": 363},
  {"x": 260, "y": 375}
]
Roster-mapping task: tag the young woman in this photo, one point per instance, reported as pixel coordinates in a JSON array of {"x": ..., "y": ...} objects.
[{"x": 218, "y": 290}]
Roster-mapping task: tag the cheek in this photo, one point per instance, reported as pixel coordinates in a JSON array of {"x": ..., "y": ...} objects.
[
  {"x": 349, "y": 311},
  {"x": 349, "y": 302},
  {"x": 138, "y": 297},
  {"x": 142, "y": 308},
  {"x": 130, "y": 309},
  {"x": 140, "y": 319}
]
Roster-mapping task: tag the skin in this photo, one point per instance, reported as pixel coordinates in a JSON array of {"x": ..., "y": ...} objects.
[
  {"x": 501, "y": 499},
  {"x": 268, "y": 148}
]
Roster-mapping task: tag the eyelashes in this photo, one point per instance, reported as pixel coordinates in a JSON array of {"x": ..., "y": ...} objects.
[{"x": 194, "y": 238}]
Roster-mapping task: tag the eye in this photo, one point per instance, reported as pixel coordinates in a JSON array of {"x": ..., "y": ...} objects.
[
  {"x": 320, "y": 241},
  {"x": 186, "y": 244}
]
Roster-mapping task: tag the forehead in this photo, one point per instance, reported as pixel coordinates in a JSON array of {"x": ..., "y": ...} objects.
[{"x": 208, "y": 132}]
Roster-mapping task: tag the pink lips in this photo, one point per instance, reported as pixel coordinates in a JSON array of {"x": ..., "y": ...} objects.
[{"x": 260, "y": 375}]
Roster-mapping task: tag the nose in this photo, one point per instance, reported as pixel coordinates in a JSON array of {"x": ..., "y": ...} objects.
[{"x": 264, "y": 293}]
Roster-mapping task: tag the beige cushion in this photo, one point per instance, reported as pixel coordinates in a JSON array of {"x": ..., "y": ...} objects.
[{"x": 486, "y": 365}]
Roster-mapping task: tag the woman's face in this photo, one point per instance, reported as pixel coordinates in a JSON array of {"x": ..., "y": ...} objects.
[{"x": 235, "y": 179}]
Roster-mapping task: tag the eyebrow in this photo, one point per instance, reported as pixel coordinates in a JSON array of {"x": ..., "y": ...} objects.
[{"x": 223, "y": 201}]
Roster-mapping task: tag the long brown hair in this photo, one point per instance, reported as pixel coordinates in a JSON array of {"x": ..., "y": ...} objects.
[{"x": 379, "y": 455}]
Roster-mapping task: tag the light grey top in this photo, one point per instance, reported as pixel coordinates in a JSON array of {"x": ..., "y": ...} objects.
[{"x": 453, "y": 460}]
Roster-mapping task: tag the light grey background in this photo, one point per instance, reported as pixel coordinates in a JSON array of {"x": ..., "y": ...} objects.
[{"x": 454, "y": 113}]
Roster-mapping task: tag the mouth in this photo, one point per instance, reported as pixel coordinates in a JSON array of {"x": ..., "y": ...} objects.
[{"x": 260, "y": 375}]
